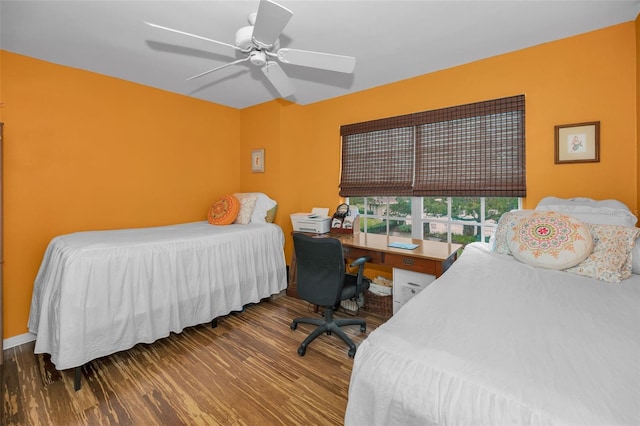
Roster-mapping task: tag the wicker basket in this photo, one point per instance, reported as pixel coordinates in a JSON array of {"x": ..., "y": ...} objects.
[{"x": 379, "y": 305}]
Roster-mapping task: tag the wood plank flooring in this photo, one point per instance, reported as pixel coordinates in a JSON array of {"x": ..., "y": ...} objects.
[{"x": 244, "y": 372}]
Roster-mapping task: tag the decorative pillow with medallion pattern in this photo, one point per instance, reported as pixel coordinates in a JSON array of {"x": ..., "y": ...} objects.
[
  {"x": 224, "y": 211},
  {"x": 498, "y": 241},
  {"x": 550, "y": 240}
]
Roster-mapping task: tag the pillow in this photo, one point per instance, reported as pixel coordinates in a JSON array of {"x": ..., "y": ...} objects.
[
  {"x": 263, "y": 206},
  {"x": 247, "y": 205},
  {"x": 550, "y": 240},
  {"x": 610, "y": 260},
  {"x": 581, "y": 201},
  {"x": 498, "y": 241},
  {"x": 224, "y": 211},
  {"x": 271, "y": 214},
  {"x": 587, "y": 210},
  {"x": 635, "y": 258}
]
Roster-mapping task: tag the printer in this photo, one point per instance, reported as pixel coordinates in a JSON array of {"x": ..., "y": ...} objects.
[{"x": 318, "y": 221}]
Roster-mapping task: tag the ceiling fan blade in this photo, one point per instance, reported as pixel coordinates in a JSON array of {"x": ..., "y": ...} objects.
[
  {"x": 218, "y": 68},
  {"x": 276, "y": 76},
  {"x": 325, "y": 61},
  {"x": 193, "y": 35},
  {"x": 270, "y": 21}
]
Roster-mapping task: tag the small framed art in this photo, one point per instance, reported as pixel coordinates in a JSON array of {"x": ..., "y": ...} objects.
[
  {"x": 578, "y": 143},
  {"x": 257, "y": 160}
]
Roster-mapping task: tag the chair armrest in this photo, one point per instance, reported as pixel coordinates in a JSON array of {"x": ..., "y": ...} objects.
[
  {"x": 360, "y": 261},
  {"x": 362, "y": 282}
]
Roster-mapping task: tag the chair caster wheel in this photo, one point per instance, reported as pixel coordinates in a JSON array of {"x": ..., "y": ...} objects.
[
  {"x": 302, "y": 350},
  {"x": 294, "y": 325},
  {"x": 352, "y": 353},
  {"x": 363, "y": 328}
]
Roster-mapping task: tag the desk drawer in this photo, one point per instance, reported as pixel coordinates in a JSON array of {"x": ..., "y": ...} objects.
[
  {"x": 354, "y": 253},
  {"x": 426, "y": 266},
  {"x": 407, "y": 284}
]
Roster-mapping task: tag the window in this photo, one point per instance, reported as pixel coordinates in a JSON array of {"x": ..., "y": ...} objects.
[
  {"x": 446, "y": 174},
  {"x": 468, "y": 150},
  {"x": 458, "y": 220}
]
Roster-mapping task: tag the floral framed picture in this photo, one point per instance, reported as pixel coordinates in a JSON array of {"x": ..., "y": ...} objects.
[
  {"x": 257, "y": 160},
  {"x": 578, "y": 143}
]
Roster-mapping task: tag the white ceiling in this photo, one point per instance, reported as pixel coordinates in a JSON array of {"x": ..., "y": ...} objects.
[{"x": 391, "y": 40}]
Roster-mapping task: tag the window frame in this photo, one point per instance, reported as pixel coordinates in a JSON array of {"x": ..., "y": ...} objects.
[{"x": 418, "y": 221}]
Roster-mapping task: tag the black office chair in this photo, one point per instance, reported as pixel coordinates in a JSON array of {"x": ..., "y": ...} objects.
[{"x": 323, "y": 281}]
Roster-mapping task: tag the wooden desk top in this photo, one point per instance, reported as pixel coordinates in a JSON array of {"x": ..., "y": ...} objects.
[
  {"x": 426, "y": 249},
  {"x": 430, "y": 257}
]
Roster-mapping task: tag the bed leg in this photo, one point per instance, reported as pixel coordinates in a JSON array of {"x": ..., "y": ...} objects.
[
  {"x": 214, "y": 323},
  {"x": 77, "y": 378}
]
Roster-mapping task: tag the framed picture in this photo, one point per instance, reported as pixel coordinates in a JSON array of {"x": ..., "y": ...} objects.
[
  {"x": 578, "y": 143},
  {"x": 257, "y": 160}
]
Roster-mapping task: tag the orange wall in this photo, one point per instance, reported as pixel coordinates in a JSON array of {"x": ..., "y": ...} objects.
[
  {"x": 590, "y": 77},
  {"x": 637, "y": 28},
  {"x": 84, "y": 151},
  {"x": 265, "y": 135}
]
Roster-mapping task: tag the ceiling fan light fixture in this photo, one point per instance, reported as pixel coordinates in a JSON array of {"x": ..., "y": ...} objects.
[{"x": 257, "y": 57}]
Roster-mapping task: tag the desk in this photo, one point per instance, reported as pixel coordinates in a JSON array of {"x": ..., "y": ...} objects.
[{"x": 430, "y": 257}]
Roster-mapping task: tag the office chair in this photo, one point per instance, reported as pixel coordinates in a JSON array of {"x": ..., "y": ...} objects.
[{"x": 323, "y": 281}]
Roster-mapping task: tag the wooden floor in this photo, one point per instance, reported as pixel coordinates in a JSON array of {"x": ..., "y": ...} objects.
[{"x": 244, "y": 372}]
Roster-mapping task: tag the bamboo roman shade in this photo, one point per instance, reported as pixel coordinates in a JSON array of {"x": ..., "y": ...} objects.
[{"x": 468, "y": 150}]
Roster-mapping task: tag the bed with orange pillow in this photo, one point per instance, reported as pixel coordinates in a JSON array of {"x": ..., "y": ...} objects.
[{"x": 101, "y": 292}]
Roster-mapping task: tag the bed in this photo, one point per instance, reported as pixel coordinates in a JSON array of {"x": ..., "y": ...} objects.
[
  {"x": 498, "y": 341},
  {"x": 100, "y": 292}
]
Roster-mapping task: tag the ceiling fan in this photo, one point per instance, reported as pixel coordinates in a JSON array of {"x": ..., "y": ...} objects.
[{"x": 259, "y": 42}]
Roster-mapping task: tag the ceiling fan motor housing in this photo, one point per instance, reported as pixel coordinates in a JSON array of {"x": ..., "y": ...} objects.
[
  {"x": 243, "y": 37},
  {"x": 244, "y": 40}
]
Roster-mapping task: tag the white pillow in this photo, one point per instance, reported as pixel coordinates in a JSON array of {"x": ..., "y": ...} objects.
[
  {"x": 635, "y": 258},
  {"x": 588, "y": 210},
  {"x": 550, "y": 240},
  {"x": 582, "y": 201},
  {"x": 248, "y": 202},
  {"x": 263, "y": 205}
]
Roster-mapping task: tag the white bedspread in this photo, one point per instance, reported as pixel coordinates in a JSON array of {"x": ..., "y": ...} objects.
[
  {"x": 100, "y": 292},
  {"x": 496, "y": 342}
]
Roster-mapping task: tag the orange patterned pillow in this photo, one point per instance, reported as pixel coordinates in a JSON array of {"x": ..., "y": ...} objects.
[{"x": 224, "y": 211}]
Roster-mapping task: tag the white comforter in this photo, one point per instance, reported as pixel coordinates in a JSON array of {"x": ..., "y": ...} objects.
[
  {"x": 105, "y": 291},
  {"x": 496, "y": 342}
]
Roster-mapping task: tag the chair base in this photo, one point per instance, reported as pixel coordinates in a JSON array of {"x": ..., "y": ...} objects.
[{"x": 329, "y": 325}]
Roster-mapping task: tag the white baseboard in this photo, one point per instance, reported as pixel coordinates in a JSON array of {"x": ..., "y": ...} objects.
[{"x": 18, "y": 340}]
